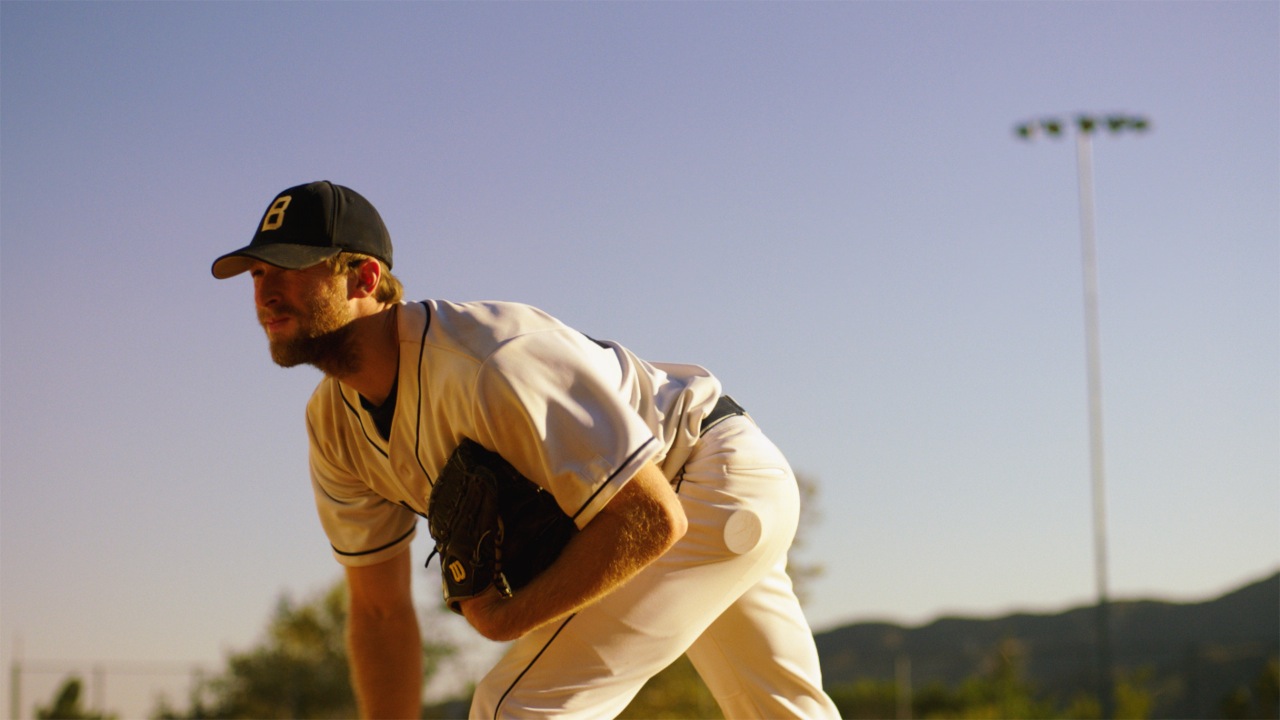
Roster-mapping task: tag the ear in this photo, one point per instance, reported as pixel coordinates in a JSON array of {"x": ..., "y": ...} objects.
[{"x": 364, "y": 278}]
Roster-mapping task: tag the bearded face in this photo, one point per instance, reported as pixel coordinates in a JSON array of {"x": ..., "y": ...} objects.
[{"x": 315, "y": 331}]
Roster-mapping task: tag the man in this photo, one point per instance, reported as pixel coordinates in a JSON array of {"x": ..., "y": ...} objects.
[{"x": 685, "y": 511}]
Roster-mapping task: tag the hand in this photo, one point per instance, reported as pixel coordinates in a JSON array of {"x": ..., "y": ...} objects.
[{"x": 489, "y": 613}]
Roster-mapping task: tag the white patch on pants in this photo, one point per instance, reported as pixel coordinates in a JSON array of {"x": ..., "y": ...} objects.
[{"x": 721, "y": 594}]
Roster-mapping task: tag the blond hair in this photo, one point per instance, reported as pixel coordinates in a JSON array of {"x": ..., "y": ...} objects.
[{"x": 389, "y": 291}]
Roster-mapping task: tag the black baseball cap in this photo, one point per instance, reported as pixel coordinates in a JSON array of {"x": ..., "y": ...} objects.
[{"x": 308, "y": 224}]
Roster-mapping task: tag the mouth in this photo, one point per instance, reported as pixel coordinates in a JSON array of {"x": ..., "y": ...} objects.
[{"x": 275, "y": 323}]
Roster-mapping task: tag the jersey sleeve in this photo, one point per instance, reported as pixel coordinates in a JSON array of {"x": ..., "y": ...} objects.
[
  {"x": 554, "y": 404},
  {"x": 363, "y": 527}
]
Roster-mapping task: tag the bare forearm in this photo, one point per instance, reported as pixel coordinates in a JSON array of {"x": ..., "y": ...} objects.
[
  {"x": 583, "y": 574},
  {"x": 642, "y": 522},
  {"x": 386, "y": 664}
]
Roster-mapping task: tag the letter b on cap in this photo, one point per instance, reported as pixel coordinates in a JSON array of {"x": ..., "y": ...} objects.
[{"x": 275, "y": 214}]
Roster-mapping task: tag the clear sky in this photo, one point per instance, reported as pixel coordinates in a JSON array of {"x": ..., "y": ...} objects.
[{"x": 824, "y": 203}]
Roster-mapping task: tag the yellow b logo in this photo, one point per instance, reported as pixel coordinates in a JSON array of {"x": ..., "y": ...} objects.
[
  {"x": 275, "y": 214},
  {"x": 458, "y": 571}
]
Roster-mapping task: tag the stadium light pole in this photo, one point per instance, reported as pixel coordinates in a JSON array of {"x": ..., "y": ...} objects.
[{"x": 1085, "y": 127}]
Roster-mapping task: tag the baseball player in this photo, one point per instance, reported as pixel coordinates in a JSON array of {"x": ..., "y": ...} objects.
[{"x": 683, "y": 509}]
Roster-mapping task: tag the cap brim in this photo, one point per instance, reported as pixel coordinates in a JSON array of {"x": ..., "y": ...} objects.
[{"x": 291, "y": 257}]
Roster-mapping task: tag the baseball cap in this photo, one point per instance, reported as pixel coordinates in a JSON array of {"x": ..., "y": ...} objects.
[{"x": 307, "y": 224}]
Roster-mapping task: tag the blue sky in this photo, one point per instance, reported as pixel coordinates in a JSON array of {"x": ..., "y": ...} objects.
[{"x": 823, "y": 203}]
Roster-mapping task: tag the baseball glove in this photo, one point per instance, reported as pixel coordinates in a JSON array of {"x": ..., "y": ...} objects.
[{"x": 491, "y": 525}]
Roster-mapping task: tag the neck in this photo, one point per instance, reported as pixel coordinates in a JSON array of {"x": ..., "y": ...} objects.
[{"x": 374, "y": 342}]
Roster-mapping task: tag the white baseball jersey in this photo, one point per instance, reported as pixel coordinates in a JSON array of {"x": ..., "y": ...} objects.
[
  {"x": 580, "y": 417},
  {"x": 575, "y": 415}
]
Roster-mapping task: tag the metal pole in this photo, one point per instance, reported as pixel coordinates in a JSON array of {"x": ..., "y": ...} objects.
[
  {"x": 15, "y": 690},
  {"x": 1084, "y": 165},
  {"x": 15, "y": 681},
  {"x": 100, "y": 689},
  {"x": 902, "y": 678}
]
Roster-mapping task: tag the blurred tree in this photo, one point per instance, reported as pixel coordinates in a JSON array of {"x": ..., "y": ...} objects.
[
  {"x": 804, "y": 573},
  {"x": 1260, "y": 701},
  {"x": 1083, "y": 706},
  {"x": 65, "y": 704},
  {"x": 676, "y": 692},
  {"x": 1133, "y": 699},
  {"x": 1267, "y": 689},
  {"x": 299, "y": 671},
  {"x": 1000, "y": 692},
  {"x": 867, "y": 700}
]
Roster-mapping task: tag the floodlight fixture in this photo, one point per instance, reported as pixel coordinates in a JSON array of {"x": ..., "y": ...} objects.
[{"x": 1085, "y": 124}]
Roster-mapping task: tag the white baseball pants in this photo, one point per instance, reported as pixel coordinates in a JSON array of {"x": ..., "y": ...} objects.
[{"x": 721, "y": 595}]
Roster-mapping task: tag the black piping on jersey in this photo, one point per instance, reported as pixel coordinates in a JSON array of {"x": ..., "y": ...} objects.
[
  {"x": 363, "y": 429},
  {"x": 377, "y": 549},
  {"x": 415, "y": 511},
  {"x": 498, "y": 707},
  {"x": 417, "y": 438},
  {"x": 613, "y": 475},
  {"x": 601, "y": 343}
]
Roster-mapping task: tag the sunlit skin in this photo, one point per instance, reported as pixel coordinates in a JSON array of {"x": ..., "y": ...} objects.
[
  {"x": 312, "y": 316},
  {"x": 298, "y": 307}
]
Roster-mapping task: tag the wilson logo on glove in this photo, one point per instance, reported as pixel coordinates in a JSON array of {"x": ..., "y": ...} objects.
[{"x": 492, "y": 525}]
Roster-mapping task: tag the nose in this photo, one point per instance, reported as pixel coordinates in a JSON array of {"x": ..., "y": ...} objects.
[{"x": 265, "y": 287}]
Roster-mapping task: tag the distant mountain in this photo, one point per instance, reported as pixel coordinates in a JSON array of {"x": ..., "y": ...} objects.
[{"x": 1195, "y": 653}]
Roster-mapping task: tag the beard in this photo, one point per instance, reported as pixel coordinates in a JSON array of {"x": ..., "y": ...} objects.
[{"x": 324, "y": 336}]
